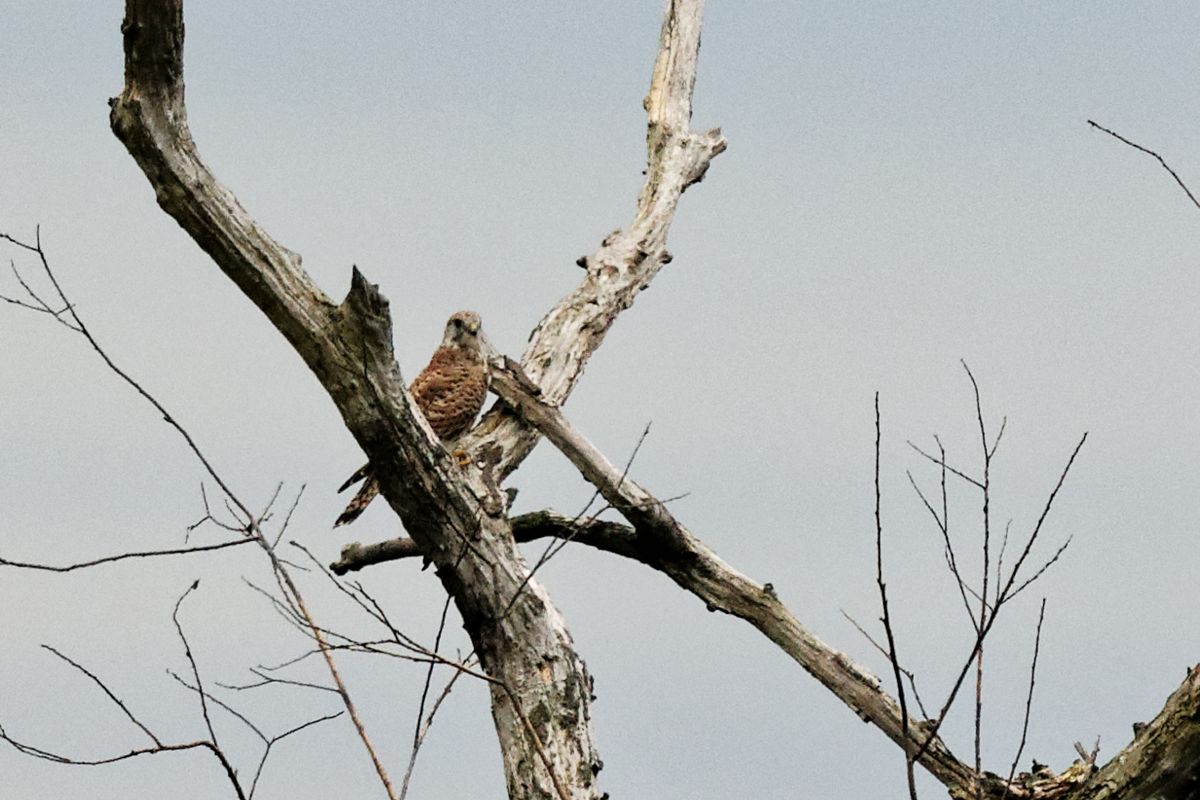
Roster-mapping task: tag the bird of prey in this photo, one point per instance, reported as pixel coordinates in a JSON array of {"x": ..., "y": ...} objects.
[{"x": 450, "y": 391}]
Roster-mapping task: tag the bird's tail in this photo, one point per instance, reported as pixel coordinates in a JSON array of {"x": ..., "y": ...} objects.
[
  {"x": 359, "y": 474},
  {"x": 366, "y": 493}
]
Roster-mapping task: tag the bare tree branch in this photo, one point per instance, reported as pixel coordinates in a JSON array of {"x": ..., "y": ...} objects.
[
  {"x": 661, "y": 541},
  {"x": 124, "y": 709},
  {"x": 348, "y": 347},
  {"x": 187, "y": 651},
  {"x": 893, "y": 659},
  {"x": 988, "y": 452},
  {"x": 1163, "y": 760},
  {"x": 941, "y": 462},
  {"x": 423, "y": 729},
  {"x": 268, "y": 741},
  {"x": 599, "y": 534},
  {"x": 1004, "y": 594},
  {"x": 247, "y": 523},
  {"x": 158, "y": 746},
  {"x": 1147, "y": 151},
  {"x": 122, "y": 556},
  {"x": 1037, "y": 642}
]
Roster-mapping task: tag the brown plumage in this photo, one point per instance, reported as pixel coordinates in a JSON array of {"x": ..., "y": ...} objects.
[{"x": 450, "y": 391}]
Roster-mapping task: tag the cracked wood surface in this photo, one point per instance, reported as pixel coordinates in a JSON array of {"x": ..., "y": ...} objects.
[
  {"x": 541, "y": 701},
  {"x": 1162, "y": 761},
  {"x": 348, "y": 347}
]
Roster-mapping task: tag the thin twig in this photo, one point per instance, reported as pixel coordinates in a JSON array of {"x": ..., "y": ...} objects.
[
  {"x": 1165, "y": 166},
  {"x": 948, "y": 548},
  {"x": 108, "y": 692},
  {"x": 279, "y": 737},
  {"x": 220, "y": 703},
  {"x": 893, "y": 658},
  {"x": 268, "y": 741},
  {"x": 554, "y": 547},
  {"x": 942, "y": 463},
  {"x": 1037, "y": 641},
  {"x": 57, "y": 758},
  {"x": 250, "y": 526},
  {"x": 1049, "y": 562},
  {"x": 1004, "y": 595},
  {"x": 437, "y": 643},
  {"x": 1000, "y": 557},
  {"x": 988, "y": 452},
  {"x": 423, "y": 730},
  {"x": 187, "y": 651},
  {"x": 287, "y": 519},
  {"x": 366, "y": 602},
  {"x": 271, "y": 680},
  {"x": 121, "y": 557},
  {"x": 137, "y": 387}
]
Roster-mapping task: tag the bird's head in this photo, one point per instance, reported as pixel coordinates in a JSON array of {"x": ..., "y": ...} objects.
[{"x": 464, "y": 330}]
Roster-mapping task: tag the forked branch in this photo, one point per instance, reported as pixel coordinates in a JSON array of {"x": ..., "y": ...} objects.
[{"x": 348, "y": 347}]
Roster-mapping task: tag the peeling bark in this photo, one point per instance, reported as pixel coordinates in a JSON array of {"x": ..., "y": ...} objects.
[
  {"x": 541, "y": 697},
  {"x": 627, "y": 259},
  {"x": 1164, "y": 758},
  {"x": 1163, "y": 761}
]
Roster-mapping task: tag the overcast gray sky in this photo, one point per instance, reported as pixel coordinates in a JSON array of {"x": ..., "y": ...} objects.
[{"x": 905, "y": 186}]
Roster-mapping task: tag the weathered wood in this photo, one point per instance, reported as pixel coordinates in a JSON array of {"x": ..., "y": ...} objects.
[
  {"x": 601, "y": 534},
  {"x": 541, "y": 693},
  {"x": 1163, "y": 760},
  {"x": 627, "y": 259},
  {"x": 541, "y": 699}
]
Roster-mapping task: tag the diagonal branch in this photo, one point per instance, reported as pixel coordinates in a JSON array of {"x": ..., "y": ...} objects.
[
  {"x": 665, "y": 544},
  {"x": 892, "y": 656},
  {"x": 1163, "y": 760},
  {"x": 111, "y": 696},
  {"x": 628, "y": 259},
  {"x": 348, "y": 347},
  {"x": 1149, "y": 152}
]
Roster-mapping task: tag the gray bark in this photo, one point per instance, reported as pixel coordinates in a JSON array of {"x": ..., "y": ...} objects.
[
  {"x": 541, "y": 698},
  {"x": 1162, "y": 761},
  {"x": 540, "y": 687}
]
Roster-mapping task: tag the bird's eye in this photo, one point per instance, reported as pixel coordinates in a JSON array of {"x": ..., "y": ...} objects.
[{"x": 457, "y": 322}]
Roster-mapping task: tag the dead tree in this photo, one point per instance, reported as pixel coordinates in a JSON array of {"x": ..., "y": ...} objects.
[{"x": 457, "y": 518}]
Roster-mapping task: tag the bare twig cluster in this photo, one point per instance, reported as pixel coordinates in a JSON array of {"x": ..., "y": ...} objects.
[
  {"x": 285, "y": 599},
  {"x": 1007, "y": 585},
  {"x": 157, "y": 745},
  {"x": 458, "y": 519},
  {"x": 238, "y": 519}
]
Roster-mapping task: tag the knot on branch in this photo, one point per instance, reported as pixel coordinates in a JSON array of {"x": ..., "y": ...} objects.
[{"x": 705, "y": 147}]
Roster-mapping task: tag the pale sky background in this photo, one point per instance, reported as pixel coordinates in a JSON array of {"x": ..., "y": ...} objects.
[{"x": 905, "y": 186}]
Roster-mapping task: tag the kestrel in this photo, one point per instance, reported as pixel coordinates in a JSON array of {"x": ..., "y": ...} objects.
[{"x": 450, "y": 391}]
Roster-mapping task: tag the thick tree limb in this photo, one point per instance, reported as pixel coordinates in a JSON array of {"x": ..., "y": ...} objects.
[
  {"x": 627, "y": 260},
  {"x": 1164, "y": 758},
  {"x": 527, "y": 651},
  {"x": 659, "y": 540}
]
